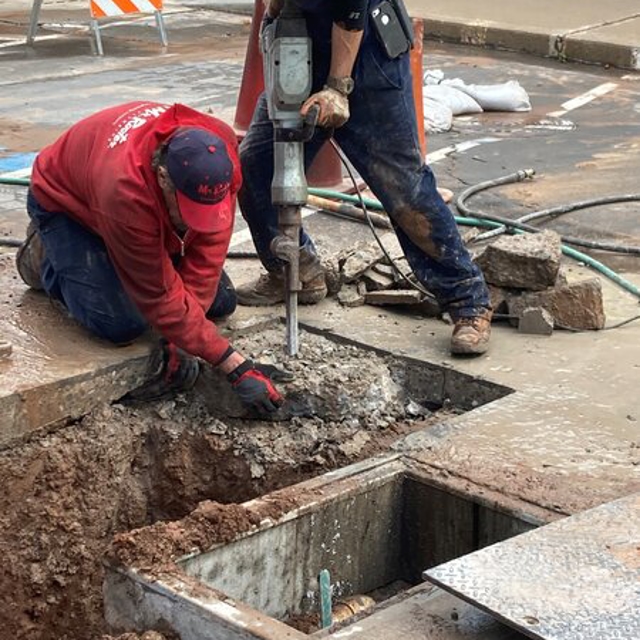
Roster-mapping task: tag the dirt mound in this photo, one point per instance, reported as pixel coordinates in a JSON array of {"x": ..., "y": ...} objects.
[{"x": 67, "y": 494}]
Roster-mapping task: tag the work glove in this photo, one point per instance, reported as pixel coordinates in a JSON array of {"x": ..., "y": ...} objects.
[
  {"x": 333, "y": 105},
  {"x": 170, "y": 370},
  {"x": 253, "y": 385}
]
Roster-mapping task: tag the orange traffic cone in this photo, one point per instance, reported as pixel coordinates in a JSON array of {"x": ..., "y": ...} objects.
[
  {"x": 252, "y": 76},
  {"x": 416, "y": 73},
  {"x": 325, "y": 171}
]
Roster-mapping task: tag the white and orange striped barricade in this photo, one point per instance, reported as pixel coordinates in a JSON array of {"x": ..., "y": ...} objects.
[
  {"x": 107, "y": 9},
  {"x": 110, "y": 8}
]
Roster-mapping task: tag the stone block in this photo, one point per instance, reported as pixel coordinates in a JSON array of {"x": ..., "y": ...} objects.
[
  {"x": 350, "y": 296},
  {"x": 528, "y": 261},
  {"x": 576, "y": 306},
  {"x": 394, "y": 297},
  {"x": 375, "y": 281},
  {"x": 536, "y": 321}
]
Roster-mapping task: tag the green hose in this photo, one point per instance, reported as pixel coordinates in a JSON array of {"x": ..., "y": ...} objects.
[
  {"x": 476, "y": 222},
  {"x": 472, "y": 222},
  {"x": 16, "y": 182}
]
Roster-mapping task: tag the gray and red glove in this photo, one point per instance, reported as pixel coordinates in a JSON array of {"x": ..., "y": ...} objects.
[
  {"x": 253, "y": 385},
  {"x": 170, "y": 370}
]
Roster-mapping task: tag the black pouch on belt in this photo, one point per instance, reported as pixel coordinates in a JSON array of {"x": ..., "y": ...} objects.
[{"x": 393, "y": 27}]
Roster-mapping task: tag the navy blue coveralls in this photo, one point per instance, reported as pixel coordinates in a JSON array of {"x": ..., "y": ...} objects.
[{"x": 381, "y": 141}]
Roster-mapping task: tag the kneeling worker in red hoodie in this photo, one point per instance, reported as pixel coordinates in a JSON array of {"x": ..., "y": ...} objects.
[{"x": 132, "y": 211}]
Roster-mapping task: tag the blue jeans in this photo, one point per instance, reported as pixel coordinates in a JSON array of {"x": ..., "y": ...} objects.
[
  {"x": 381, "y": 141},
  {"x": 78, "y": 272}
]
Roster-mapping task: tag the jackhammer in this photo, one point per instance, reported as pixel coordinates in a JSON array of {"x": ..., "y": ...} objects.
[{"x": 286, "y": 50}]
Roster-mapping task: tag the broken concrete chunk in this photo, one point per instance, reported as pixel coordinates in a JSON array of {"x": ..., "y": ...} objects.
[
  {"x": 498, "y": 297},
  {"x": 528, "y": 261},
  {"x": 392, "y": 297},
  {"x": 350, "y": 296},
  {"x": 468, "y": 234},
  {"x": 576, "y": 306},
  {"x": 375, "y": 281},
  {"x": 332, "y": 275},
  {"x": 536, "y": 321},
  {"x": 385, "y": 269},
  {"x": 359, "y": 261}
]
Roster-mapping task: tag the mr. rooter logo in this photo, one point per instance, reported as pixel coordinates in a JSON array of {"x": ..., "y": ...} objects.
[{"x": 134, "y": 120}]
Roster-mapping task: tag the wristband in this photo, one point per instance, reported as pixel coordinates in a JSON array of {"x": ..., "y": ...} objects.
[{"x": 239, "y": 371}]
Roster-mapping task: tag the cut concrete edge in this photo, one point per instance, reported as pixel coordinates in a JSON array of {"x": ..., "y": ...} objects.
[
  {"x": 132, "y": 599},
  {"x": 502, "y": 502},
  {"x": 37, "y": 408},
  {"x": 565, "y": 47},
  {"x": 145, "y": 598}
]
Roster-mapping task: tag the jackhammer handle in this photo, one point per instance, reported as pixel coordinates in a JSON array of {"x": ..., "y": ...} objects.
[
  {"x": 312, "y": 117},
  {"x": 310, "y": 122}
]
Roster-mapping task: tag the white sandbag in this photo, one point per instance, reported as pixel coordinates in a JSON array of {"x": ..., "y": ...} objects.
[
  {"x": 458, "y": 101},
  {"x": 438, "y": 117},
  {"x": 509, "y": 96}
]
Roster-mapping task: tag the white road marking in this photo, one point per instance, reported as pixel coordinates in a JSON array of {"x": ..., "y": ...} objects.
[
  {"x": 441, "y": 154},
  {"x": 22, "y": 41},
  {"x": 583, "y": 99},
  {"x": 19, "y": 173}
]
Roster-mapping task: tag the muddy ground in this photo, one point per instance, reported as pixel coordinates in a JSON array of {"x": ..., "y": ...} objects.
[{"x": 128, "y": 465}]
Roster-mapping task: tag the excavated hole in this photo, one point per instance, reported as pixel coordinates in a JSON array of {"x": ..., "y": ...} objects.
[
  {"x": 126, "y": 466},
  {"x": 375, "y": 542}
]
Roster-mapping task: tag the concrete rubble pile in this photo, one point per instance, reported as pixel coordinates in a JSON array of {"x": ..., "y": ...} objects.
[
  {"x": 527, "y": 284},
  {"x": 523, "y": 273},
  {"x": 364, "y": 275}
]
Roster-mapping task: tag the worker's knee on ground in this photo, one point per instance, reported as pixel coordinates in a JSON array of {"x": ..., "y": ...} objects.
[{"x": 119, "y": 333}]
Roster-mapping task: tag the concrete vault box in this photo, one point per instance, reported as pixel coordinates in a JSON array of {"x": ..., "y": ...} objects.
[
  {"x": 251, "y": 570},
  {"x": 372, "y": 525}
]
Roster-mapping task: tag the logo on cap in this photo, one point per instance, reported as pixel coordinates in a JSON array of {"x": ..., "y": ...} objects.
[{"x": 202, "y": 172}]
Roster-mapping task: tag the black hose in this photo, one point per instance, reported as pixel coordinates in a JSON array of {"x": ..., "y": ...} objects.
[
  {"x": 555, "y": 211},
  {"x": 11, "y": 242},
  {"x": 414, "y": 285}
]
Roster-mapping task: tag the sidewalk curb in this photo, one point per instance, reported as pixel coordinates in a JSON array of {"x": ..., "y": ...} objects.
[{"x": 564, "y": 47}]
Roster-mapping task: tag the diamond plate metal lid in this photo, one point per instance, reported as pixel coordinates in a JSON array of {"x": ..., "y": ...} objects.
[{"x": 575, "y": 579}]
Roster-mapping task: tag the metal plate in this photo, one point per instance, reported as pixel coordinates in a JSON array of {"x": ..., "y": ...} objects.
[{"x": 575, "y": 579}]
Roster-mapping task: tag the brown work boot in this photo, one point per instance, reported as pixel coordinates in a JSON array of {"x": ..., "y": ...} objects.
[
  {"x": 30, "y": 257},
  {"x": 269, "y": 289},
  {"x": 471, "y": 335}
]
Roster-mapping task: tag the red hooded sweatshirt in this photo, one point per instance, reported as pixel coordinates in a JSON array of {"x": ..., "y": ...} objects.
[{"x": 99, "y": 173}]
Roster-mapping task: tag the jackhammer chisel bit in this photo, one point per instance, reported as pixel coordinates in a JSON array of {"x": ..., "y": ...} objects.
[{"x": 286, "y": 50}]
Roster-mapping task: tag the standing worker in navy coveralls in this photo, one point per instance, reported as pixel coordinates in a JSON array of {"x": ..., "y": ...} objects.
[{"x": 366, "y": 103}]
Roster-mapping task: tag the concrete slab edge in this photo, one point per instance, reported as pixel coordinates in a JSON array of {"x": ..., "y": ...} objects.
[
  {"x": 42, "y": 407},
  {"x": 579, "y": 49},
  {"x": 564, "y": 47},
  {"x": 141, "y": 597}
]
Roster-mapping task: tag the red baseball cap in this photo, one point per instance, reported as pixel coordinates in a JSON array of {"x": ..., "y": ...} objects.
[{"x": 201, "y": 170}]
